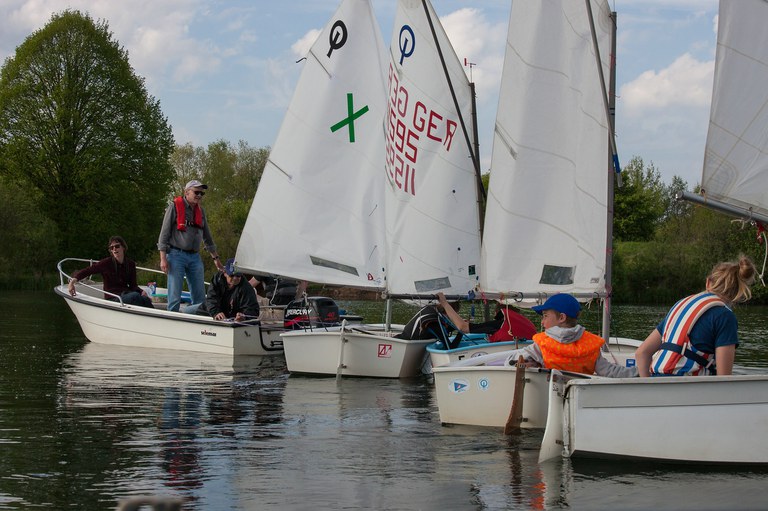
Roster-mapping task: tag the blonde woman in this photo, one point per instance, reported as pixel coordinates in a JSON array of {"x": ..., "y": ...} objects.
[{"x": 699, "y": 335}]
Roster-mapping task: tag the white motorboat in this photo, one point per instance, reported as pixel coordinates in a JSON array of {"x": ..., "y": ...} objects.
[
  {"x": 105, "y": 321},
  {"x": 371, "y": 184}
]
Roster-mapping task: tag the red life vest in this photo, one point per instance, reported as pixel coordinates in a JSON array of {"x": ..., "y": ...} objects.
[
  {"x": 578, "y": 357},
  {"x": 515, "y": 326},
  {"x": 181, "y": 214}
]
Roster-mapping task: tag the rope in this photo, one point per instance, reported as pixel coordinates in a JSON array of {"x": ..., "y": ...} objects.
[{"x": 760, "y": 233}]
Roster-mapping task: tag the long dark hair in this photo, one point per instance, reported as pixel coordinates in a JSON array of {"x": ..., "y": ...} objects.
[{"x": 117, "y": 239}]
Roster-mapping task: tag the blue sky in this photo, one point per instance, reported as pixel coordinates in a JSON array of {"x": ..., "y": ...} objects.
[{"x": 225, "y": 69}]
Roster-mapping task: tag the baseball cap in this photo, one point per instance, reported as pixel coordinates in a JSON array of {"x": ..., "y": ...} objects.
[
  {"x": 229, "y": 268},
  {"x": 195, "y": 184},
  {"x": 561, "y": 302}
]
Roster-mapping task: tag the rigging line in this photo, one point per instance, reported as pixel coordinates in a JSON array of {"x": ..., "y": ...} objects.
[{"x": 475, "y": 157}]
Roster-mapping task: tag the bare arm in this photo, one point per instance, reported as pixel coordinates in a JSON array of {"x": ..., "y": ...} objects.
[
  {"x": 724, "y": 355},
  {"x": 645, "y": 352},
  {"x": 461, "y": 323}
]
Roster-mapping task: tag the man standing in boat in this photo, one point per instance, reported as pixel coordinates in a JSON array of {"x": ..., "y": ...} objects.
[{"x": 184, "y": 229}]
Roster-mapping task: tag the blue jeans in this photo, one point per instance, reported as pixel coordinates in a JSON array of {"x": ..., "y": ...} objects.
[
  {"x": 184, "y": 263},
  {"x": 134, "y": 298}
]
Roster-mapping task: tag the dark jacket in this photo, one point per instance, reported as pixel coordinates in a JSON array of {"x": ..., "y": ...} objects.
[
  {"x": 220, "y": 298},
  {"x": 117, "y": 278}
]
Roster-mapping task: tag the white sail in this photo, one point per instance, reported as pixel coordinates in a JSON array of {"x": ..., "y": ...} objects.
[
  {"x": 318, "y": 214},
  {"x": 736, "y": 157},
  {"x": 547, "y": 202},
  {"x": 431, "y": 204}
]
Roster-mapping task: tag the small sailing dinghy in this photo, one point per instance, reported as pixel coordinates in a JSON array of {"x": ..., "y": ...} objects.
[
  {"x": 370, "y": 184},
  {"x": 551, "y": 185},
  {"x": 701, "y": 419}
]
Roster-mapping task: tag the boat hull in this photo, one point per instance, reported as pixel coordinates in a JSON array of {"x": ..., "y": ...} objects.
[
  {"x": 354, "y": 352},
  {"x": 470, "y": 392},
  {"x": 482, "y": 395},
  {"x": 709, "y": 419},
  {"x": 108, "y": 322}
]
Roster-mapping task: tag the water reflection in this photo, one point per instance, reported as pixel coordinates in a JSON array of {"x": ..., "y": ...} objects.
[{"x": 84, "y": 425}]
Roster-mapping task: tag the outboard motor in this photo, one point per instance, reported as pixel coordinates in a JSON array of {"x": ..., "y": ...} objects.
[{"x": 314, "y": 312}]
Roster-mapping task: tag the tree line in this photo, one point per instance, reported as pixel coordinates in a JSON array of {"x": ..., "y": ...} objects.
[{"x": 86, "y": 153}]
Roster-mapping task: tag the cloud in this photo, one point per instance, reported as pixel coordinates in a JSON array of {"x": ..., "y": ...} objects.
[
  {"x": 482, "y": 43},
  {"x": 157, "y": 35},
  {"x": 301, "y": 47},
  {"x": 687, "y": 82}
]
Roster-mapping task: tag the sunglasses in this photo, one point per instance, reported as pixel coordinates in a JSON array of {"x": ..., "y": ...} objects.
[
  {"x": 115, "y": 247},
  {"x": 199, "y": 194}
]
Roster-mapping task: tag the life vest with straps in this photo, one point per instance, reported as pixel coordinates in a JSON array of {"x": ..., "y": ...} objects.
[
  {"x": 676, "y": 355},
  {"x": 515, "y": 326},
  {"x": 181, "y": 214},
  {"x": 579, "y": 356}
]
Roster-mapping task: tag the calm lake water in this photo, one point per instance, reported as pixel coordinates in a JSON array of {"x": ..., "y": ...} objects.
[{"x": 83, "y": 426}]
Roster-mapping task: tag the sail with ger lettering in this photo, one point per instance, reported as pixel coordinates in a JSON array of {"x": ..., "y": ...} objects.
[{"x": 433, "y": 226}]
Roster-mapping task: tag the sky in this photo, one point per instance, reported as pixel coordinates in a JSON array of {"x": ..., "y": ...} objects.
[{"x": 226, "y": 69}]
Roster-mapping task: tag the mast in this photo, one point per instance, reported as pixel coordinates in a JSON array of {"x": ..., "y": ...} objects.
[
  {"x": 473, "y": 149},
  {"x": 610, "y": 113},
  {"x": 606, "y": 330}
]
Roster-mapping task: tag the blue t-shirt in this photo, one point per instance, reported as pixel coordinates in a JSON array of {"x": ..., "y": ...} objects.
[{"x": 715, "y": 328}]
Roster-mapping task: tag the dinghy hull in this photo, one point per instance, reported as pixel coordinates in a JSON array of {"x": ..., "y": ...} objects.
[
  {"x": 362, "y": 351},
  {"x": 702, "y": 419}
]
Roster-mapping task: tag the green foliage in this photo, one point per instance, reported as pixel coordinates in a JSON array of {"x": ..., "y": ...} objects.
[
  {"x": 681, "y": 255},
  {"x": 29, "y": 239},
  {"x": 77, "y": 126},
  {"x": 232, "y": 175},
  {"x": 639, "y": 203}
]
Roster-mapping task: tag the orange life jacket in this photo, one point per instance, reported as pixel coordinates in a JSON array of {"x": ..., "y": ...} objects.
[{"x": 579, "y": 356}]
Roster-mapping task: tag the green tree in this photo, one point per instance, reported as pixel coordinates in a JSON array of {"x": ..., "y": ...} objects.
[
  {"x": 639, "y": 203},
  {"x": 29, "y": 242},
  {"x": 77, "y": 126}
]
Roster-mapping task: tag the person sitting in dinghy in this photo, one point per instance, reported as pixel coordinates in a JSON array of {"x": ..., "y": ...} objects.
[
  {"x": 118, "y": 274},
  {"x": 229, "y": 296},
  {"x": 565, "y": 344},
  {"x": 507, "y": 325},
  {"x": 699, "y": 334}
]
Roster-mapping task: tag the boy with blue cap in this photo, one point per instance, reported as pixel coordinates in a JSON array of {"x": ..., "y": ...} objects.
[{"x": 566, "y": 345}]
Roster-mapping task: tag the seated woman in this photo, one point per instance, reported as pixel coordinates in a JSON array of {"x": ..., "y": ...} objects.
[
  {"x": 699, "y": 335},
  {"x": 118, "y": 274}
]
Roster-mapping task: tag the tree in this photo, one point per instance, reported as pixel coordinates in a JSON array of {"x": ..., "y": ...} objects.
[
  {"x": 77, "y": 125},
  {"x": 639, "y": 203},
  {"x": 29, "y": 242}
]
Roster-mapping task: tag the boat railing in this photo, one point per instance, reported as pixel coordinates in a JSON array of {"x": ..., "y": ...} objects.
[{"x": 64, "y": 277}]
